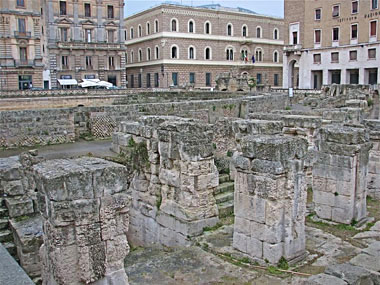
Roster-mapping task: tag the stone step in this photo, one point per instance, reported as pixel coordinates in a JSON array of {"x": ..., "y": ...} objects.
[
  {"x": 224, "y": 187},
  {"x": 4, "y": 223},
  {"x": 3, "y": 213},
  {"x": 6, "y": 236},
  {"x": 224, "y": 197},
  {"x": 226, "y": 209},
  {"x": 224, "y": 178},
  {"x": 10, "y": 246}
]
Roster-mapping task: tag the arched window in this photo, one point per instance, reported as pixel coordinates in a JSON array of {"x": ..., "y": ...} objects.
[
  {"x": 244, "y": 54},
  {"x": 174, "y": 25},
  {"x": 244, "y": 31},
  {"x": 140, "y": 55},
  {"x": 275, "y": 56},
  {"x": 230, "y": 54},
  {"x": 156, "y": 53},
  {"x": 148, "y": 54},
  {"x": 131, "y": 56},
  {"x": 275, "y": 34},
  {"x": 229, "y": 30},
  {"x": 140, "y": 31},
  {"x": 147, "y": 28},
  {"x": 207, "y": 53},
  {"x": 131, "y": 33},
  {"x": 207, "y": 28},
  {"x": 191, "y": 53},
  {"x": 259, "y": 55},
  {"x": 156, "y": 27},
  {"x": 191, "y": 26},
  {"x": 174, "y": 52},
  {"x": 258, "y": 32}
]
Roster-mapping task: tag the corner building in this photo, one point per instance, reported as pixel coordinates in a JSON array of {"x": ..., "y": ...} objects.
[
  {"x": 330, "y": 41},
  {"x": 174, "y": 45},
  {"x": 86, "y": 40},
  {"x": 22, "y": 44}
]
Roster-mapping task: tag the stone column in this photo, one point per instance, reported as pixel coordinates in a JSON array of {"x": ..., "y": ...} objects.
[
  {"x": 374, "y": 159},
  {"x": 270, "y": 198},
  {"x": 85, "y": 213},
  {"x": 340, "y": 174}
]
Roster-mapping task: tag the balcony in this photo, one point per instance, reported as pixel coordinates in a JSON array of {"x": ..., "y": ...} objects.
[
  {"x": 23, "y": 35},
  {"x": 293, "y": 48},
  {"x": 24, "y": 63}
]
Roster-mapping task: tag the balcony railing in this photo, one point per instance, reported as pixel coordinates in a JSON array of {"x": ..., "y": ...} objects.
[
  {"x": 26, "y": 35},
  {"x": 292, "y": 48},
  {"x": 24, "y": 63}
]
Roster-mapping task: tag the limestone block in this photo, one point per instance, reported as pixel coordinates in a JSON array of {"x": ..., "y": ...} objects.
[
  {"x": 323, "y": 211},
  {"x": 323, "y": 279},
  {"x": 12, "y": 188},
  {"x": 248, "y": 207},
  {"x": 345, "y": 135},
  {"x": 19, "y": 206},
  {"x": 242, "y": 225},
  {"x": 170, "y": 177},
  {"x": 10, "y": 168},
  {"x": 265, "y": 166},
  {"x": 273, "y": 252},
  {"x": 131, "y": 128},
  {"x": 270, "y": 234},
  {"x": 240, "y": 241},
  {"x": 255, "y": 247}
]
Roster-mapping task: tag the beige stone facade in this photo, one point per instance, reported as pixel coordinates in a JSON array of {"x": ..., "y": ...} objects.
[
  {"x": 331, "y": 42},
  {"x": 86, "y": 40},
  {"x": 22, "y": 45},
  {"x": 173, "y": 45}
]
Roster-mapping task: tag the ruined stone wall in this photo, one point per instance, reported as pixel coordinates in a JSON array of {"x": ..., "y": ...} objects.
[
  {"x": 85, "y": 210},
  {"x": 373, "y": 177},
  {"x": 172, "y": 196},
  {"x": 270, "y": 197},
  {"x": 340, "y": 174}
]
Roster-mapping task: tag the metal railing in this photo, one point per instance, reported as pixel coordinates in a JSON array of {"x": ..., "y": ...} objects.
[{"x": 19, "y": 34}]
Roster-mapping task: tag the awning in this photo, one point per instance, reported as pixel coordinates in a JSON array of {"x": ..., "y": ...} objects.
[
  {"x": 67, "y": 82},
  {"x": 94, "y": 83}
]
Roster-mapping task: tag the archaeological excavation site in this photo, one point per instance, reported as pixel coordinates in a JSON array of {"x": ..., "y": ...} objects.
[{"x": 190, "y": 187}]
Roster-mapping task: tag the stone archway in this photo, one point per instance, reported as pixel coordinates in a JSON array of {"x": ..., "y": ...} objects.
[{"x": 293, "y": 81}]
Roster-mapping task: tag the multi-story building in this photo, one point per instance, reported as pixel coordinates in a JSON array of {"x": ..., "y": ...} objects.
[
  {"x": 330, "y": 41},
  {"x": 22, "y": 46},
  {"x": 174, "y": 45},
  {"x": 86, "y": 40}
]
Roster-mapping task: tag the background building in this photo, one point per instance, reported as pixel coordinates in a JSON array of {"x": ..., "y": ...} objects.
[
  {"x": 331, "y": 42},
  {"x": 173, "y": 45},
  {"x": 86, "y": 40},
  {"x": 22, "y": 45}
]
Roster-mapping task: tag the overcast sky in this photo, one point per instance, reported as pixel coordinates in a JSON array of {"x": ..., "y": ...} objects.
[{"x": 267, "y": 7}]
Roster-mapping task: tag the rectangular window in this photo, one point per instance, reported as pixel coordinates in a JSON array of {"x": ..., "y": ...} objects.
[
  {"x": 88, "y": 36},
  {"x": 335, "y": 57},
  {"x": 354, "y": 31},
  {"x": 353, "y": 55},
  {"x": 372, "y": 53},
  {"x": 65, "y": 62},
  {"x": 175, "y": 78},
  {"x": 20, "y": 3},
  {"x": 258, "y": 78},
  {"x": 62, "y": 8},
  {"x": 192, "y": 77},
  {"x": 23, "y": 54},
  {"x": 275, "y": 81},
  {"x": 21, "y": 26},
  {"x": 111, "y": 62},
  {"x": 317, "y": 58},
  {"x": 354, "y": 7},
  {"x": 373, "y": 28},
  {"x": 295, "y": 38},
  {"x": 335, "y": 11},
  {"x": 148, "y": 80},
  {"x": 208, "y": 79},
  {"x": 139, "y": 80},
  {"x": 317, "y": 36},
  {"x": 156, "y": 80},
  {"x": 335, "y": 34},
  {"x": 110, "y": 34},
  {"x": 64, "y": 35},
  {"x": 132, "y": 81},
  {"x": 110, "y": 12},
  {"x": 88, "y": 61},
  {"x": 318, "y": 13},
  {"x": 87, "y": 10},
  {"x": 374, "y": 4}
]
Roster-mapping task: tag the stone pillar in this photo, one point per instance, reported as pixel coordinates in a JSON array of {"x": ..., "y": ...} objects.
[
  {"x": 270, "y": 198},
  {"x": 340, "y": 174},
  {"x": 373, "y": 185},
  {"x": 85, "y": 213},
  {"x": 172, "y": 197}
]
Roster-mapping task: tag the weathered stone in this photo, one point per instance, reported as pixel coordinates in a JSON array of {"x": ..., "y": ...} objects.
[
  {"x": 324, "y": 279},
  {"x": 353, "y": 274}
]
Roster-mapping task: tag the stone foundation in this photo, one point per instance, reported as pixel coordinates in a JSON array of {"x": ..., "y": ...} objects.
[
  {"x": 340, "y": 174},
  {"x": 85, "y": 211},
  {"x": 270, "y": 197},
  {"x": 172, "y": 196}
]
